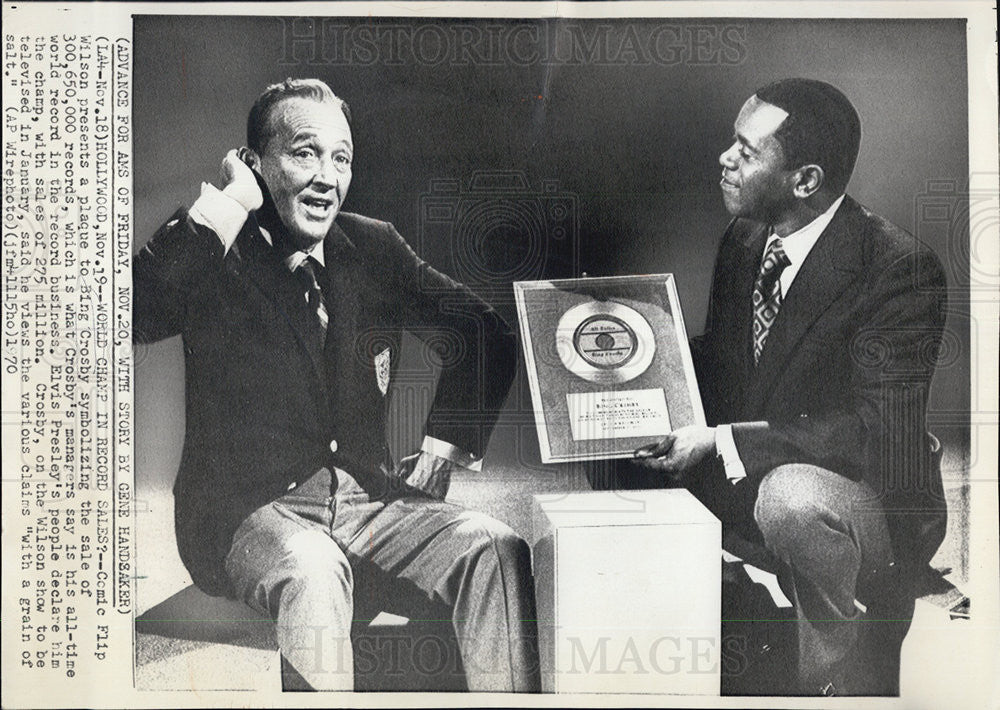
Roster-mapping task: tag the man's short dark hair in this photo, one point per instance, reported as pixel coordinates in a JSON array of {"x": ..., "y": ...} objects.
[
  {"x": 822, "y": 127},
  {"x": 259, "y": 130}
]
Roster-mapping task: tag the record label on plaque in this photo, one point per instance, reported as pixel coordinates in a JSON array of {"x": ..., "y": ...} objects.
[{"x": 605, "y": 342}]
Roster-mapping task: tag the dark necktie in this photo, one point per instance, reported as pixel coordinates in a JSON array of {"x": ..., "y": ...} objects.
[
  {"x": 306, "y": 273},
  {"x": 767, "y": 294}
]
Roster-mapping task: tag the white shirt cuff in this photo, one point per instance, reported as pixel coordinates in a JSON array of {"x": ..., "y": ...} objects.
[
  {"x": 444, "y": 450},
  {"x": 726, "y": 446},
  {"x": 221, "y": 213}
]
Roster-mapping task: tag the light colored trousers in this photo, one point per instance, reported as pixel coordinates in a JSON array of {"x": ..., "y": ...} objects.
[
  {"x": 831, "y": 532},
  {"x": 296, "y": 559}
]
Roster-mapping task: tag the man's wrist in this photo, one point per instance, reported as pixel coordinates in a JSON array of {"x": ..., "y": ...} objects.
[
  {"x": 220, "y": 212},
  {"x": 725, "y": 447},
  {"x": 450, "y": 452},
  {"x": 248, "y": 196}
]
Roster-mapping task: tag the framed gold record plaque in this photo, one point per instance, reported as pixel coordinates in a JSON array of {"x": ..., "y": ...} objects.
[{"x": 608, "y": 364}]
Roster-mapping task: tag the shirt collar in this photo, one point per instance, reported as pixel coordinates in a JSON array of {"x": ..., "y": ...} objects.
[
  {"x": 295, "y": 259},
  {"x": 799, "y": 243}
]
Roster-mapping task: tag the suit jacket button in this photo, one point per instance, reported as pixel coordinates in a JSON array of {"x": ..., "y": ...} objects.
[{"x": 333, "y": 446}]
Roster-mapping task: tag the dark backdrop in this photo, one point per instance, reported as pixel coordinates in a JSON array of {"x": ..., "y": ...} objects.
[{"x": 608, "y": 141}]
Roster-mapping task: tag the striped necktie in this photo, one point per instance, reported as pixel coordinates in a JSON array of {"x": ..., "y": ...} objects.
[
  {"x": 767, "y": 294},
  {"x": 306, "y": 273}
]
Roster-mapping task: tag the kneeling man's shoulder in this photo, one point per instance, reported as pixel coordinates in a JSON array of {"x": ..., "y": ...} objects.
[{"x": 887, "y": 245}]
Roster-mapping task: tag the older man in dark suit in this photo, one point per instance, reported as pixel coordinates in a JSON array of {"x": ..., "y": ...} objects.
[
  {"x": 821, "y": 342},
  {"x": 290, "y": 313}
]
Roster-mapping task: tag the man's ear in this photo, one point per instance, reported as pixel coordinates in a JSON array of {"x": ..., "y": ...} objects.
[
  {"x": 809, "y": 179},
  {"x": 250, "y": 158}
]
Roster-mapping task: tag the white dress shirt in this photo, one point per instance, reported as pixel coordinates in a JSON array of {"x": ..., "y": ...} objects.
[{"x": 797, "y": 246}]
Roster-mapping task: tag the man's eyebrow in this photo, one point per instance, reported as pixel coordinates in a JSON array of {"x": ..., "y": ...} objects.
[
  {"x": 308, "y": 135},
  {"x": 746, "y": 143}
]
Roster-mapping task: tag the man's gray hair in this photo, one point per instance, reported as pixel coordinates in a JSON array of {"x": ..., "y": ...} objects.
[{"x": 259, "y": 130}]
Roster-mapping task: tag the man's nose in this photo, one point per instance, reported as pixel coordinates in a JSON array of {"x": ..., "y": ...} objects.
[
  {"x": 327, "y": 176},
  {"x": 728, "y": 157}
]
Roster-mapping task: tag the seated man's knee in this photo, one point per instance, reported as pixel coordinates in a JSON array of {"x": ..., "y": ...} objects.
[
  {"x": 310, "y": 564},
  {"x": 787, "y": 501},
  {"x": 314, "y": 555},
  {"x": 493, "y": 539}
]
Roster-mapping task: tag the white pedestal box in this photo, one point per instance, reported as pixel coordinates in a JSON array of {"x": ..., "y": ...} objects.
[{"x": 629, "y": 587}]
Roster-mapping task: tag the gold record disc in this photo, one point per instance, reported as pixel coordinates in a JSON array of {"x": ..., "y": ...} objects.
[{"x": 605, "y": 342}]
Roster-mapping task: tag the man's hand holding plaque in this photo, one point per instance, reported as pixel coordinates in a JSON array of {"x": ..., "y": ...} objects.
[{"x": 679, "y": 451}]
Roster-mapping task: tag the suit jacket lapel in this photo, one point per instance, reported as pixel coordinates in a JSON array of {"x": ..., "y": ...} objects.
[
  {"x": 338, "y": 291},
  {"x": 753, "y": 251},
  {"x": 261, "y": 264},
  {"x": 828, "y": 270}
]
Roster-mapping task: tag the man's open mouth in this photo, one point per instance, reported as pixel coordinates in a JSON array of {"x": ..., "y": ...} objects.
[{"x": 318, "y": 206}]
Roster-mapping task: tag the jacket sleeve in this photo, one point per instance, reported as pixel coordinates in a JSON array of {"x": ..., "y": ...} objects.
[
  {"x": 712, "y": 382},
  {"x": 893, "y": 355},
  {"x": 476, "y": 348},
  {"x": 166, "y": 271}
]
